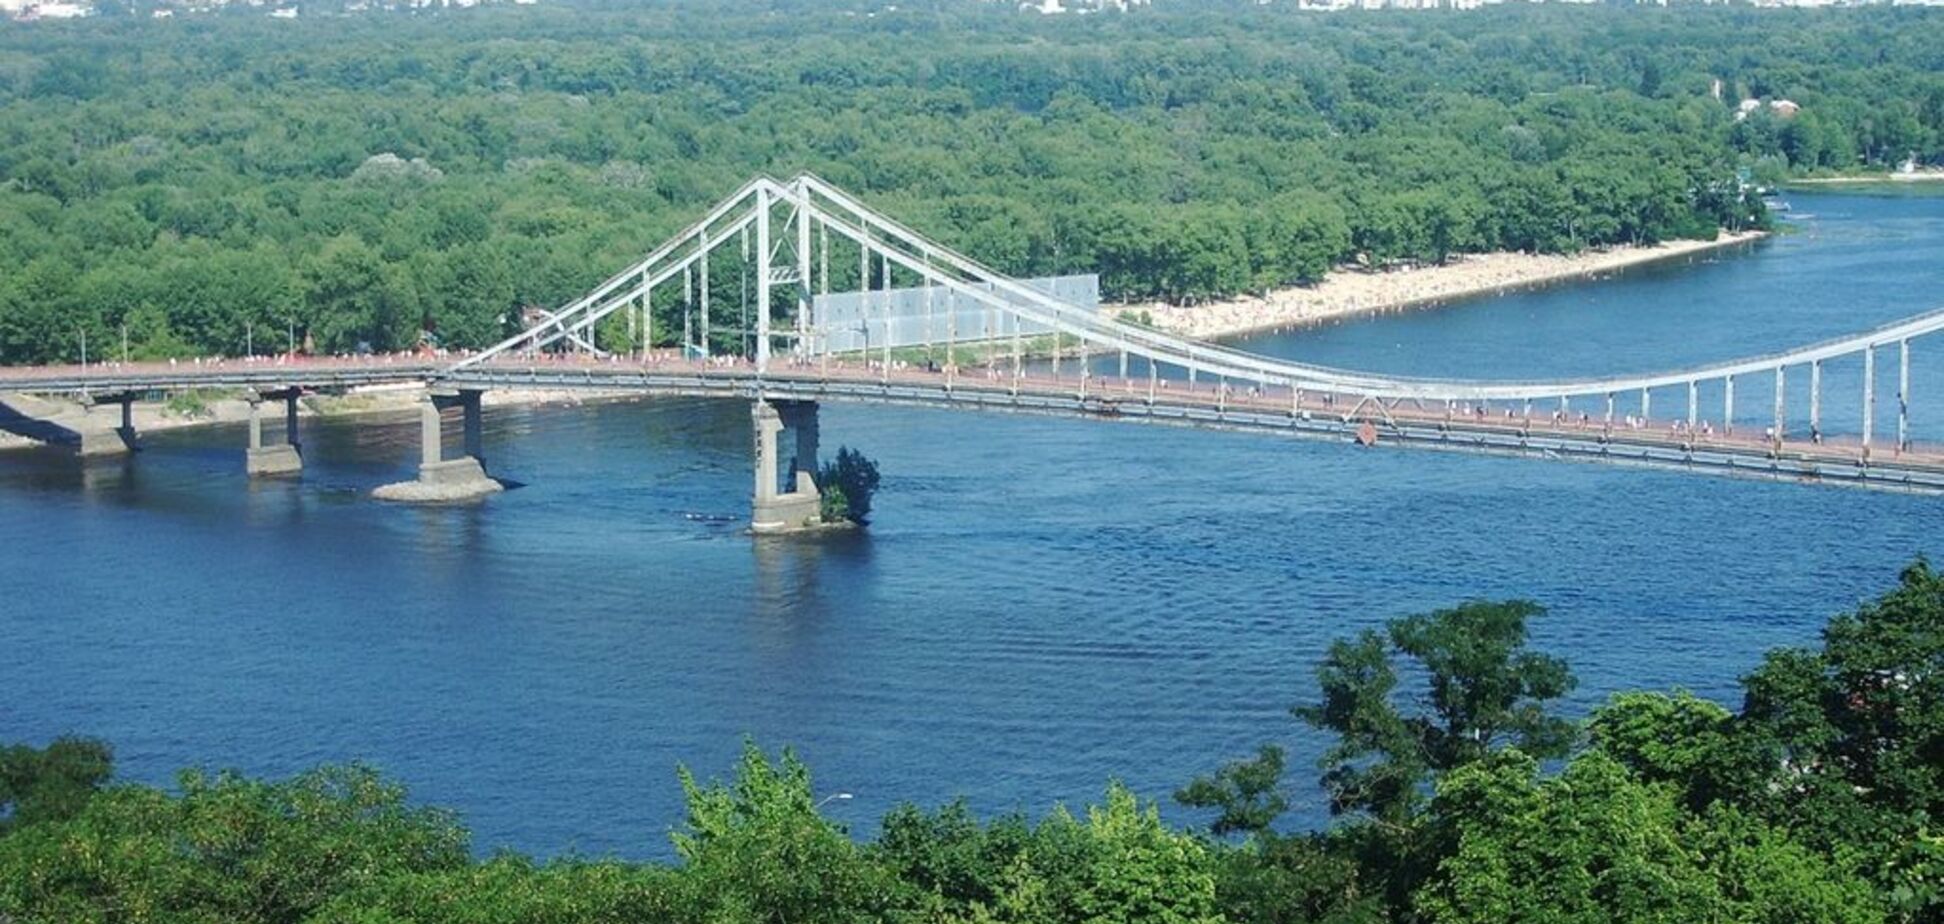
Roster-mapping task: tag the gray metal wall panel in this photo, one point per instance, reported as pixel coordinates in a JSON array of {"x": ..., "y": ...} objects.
[{"x": 855, "y": 321}]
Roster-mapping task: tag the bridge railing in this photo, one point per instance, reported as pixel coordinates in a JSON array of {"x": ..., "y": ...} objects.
[{"x": 817, "y": 207}]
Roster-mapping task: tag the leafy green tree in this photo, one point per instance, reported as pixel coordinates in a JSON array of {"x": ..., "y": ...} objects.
[
  {"x": 1685, "y": 741},
  {"x": 1484, "y": 690},
  {"x": 34, "y": 328},
  {"x": 1302, "y": 879},
  {"x": 1139, "y": 870},
  {"x": 755, "y": 849},
  {"x": 224, "y": 849},
  {"x": 466, "y": 295},
  {"x": 948, "y": 863},
  {"x": 511, "y": 889},
  {"x": 51, "y": 784},
  {"x": 848, "y": 483},
  {"x": 1855, "y": 737},
  {"x": 1594, "y": 844},
  {"x": 1247, "y": 794},
  {"x": 353, "y": 298}
]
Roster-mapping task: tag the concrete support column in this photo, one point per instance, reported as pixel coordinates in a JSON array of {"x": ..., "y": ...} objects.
[
  {"x": 1869, "y": 397},
  {"x": 1815, "y": 401},
  {"x": 108, "y": 441},
  {"x": 431, "y": 437},
  {"x": 442, "y": 480},
  {"x": 469, "y": 402},
  {"x": 785, "y": 500},
  {"x": 803, "y": 423},
  {"x": 263, "y": 458},
  {"x": 766, "y": 425},
  {"x": 1903, "y": 395},
  {"x": 1728, "y": 405}
]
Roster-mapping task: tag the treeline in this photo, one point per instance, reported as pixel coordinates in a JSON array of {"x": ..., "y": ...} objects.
[
  {"x": 206, "y": 183},
  {"x": 1461, "y": 796}
]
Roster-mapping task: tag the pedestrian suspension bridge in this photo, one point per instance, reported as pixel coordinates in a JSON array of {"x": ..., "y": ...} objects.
[{"x": 791, "y": 244}]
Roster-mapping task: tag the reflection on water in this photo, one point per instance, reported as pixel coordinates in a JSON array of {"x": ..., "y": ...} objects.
[{"x": 1039, "y": 605}]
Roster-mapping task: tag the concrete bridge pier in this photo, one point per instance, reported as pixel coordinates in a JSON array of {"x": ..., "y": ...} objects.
[
  {"x": 786, "y": 497},
  {"x": 98, "y": 440},
  {"x": 443, "y": 480},
  {"x": 71, "y": 426},
  {"x": 92, "y": 441},
  {"x": 278, "y": 458}
]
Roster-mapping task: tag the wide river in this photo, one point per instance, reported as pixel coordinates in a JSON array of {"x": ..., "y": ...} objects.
[{"x": 1040, "y": 605}]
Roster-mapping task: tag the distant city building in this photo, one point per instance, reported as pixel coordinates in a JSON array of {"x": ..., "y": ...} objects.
[
  {"x": 1054, "y": 7},
  {"x": 30, "y": 12}
]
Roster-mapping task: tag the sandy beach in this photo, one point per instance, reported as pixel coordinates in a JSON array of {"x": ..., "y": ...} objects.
[
  {"x": 1914, "y": 176},
  {"x": 1352, "y": 292}
]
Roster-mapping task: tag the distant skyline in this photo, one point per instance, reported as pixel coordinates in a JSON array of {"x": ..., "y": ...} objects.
[{"x": 30, "y": 10}]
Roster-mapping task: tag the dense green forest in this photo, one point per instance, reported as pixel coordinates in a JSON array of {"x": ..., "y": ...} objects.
[
  {"x": 203, "y": 182},
  {"x": 1461, "y": 796}
]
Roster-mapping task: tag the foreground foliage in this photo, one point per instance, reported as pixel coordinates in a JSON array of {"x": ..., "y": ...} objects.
[
  {"x": 236, "y": 182},
  {"x": 1817, "y": 801},
  {"x": 848, "y": 482}
]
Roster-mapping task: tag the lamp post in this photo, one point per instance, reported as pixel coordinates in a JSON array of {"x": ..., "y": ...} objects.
[
  {"x": 837, "y": 796},
  {"x": 84, "y": 347}
]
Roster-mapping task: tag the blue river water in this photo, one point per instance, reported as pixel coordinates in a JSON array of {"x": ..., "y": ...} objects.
[{"x": 1039, "y": 606}]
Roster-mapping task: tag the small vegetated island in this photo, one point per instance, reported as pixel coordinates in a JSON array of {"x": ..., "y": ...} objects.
[
  {"x": 1460, "y": 792},
  {"x": 359, "y": 177}
]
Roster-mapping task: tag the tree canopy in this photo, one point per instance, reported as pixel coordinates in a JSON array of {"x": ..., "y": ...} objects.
[{"x": 211, "y": 182}]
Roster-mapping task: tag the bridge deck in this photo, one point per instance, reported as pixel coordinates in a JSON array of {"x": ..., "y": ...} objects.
[
  {"x": 1659, "y": 443},
  {"x": 310, "y": 373}
]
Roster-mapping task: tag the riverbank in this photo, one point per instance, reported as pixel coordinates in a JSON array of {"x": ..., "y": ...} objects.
[
  {"x": 1348, "y": 293},
  {"x": 1914, "y": 176}
]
